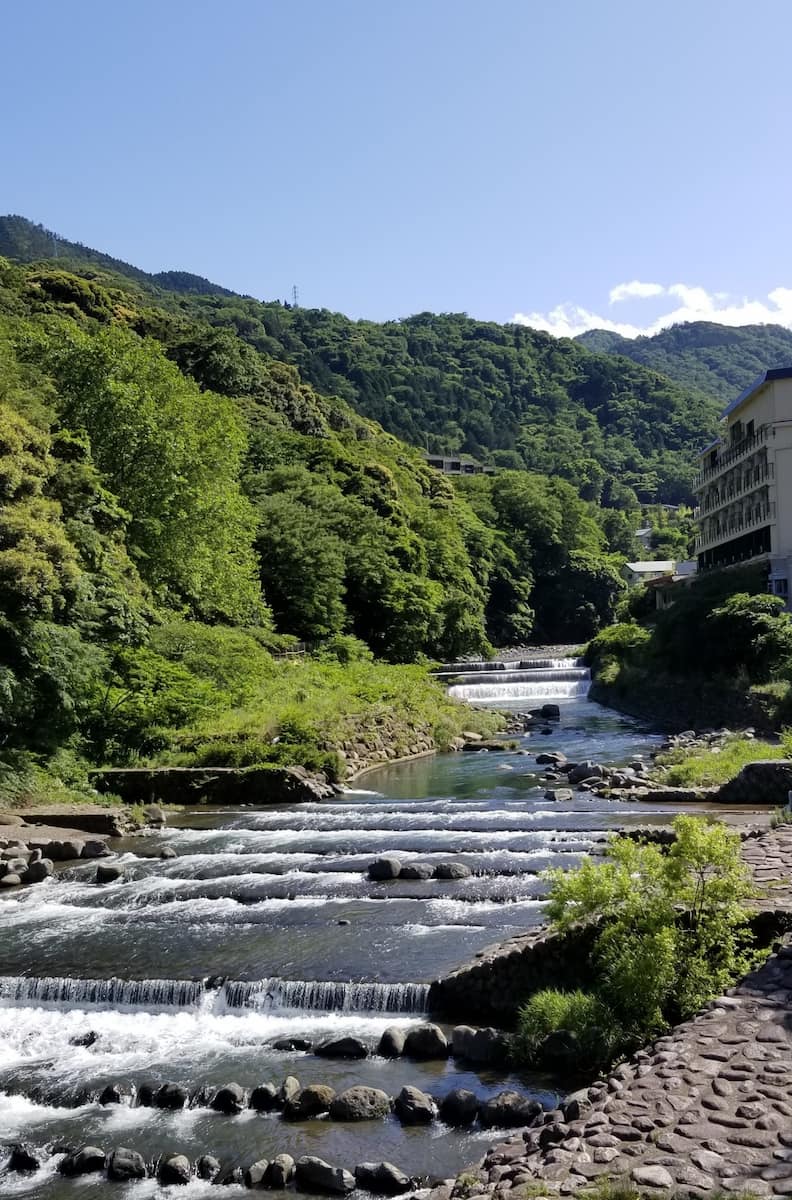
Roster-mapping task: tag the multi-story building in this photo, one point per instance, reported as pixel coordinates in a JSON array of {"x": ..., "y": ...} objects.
[{"x": 744, "y": 483}]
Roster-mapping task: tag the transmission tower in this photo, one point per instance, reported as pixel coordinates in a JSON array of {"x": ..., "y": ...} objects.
[{"x": 295, "y": 297}]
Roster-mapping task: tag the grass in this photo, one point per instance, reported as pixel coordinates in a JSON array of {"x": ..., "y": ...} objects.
[{"x": 708, "y": 765}]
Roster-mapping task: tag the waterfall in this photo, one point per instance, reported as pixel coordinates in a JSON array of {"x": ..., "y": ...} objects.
[
  {"x": 263, "y": 994},
  {"x": 328, "y": 996},
  {"x": 529, "y": 679}
]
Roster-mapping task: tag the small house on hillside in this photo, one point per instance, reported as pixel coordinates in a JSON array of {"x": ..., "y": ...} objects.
[{"x": 643, "y": 572}]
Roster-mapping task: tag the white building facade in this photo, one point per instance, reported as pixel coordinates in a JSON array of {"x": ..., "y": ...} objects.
[{"x": 744, "y": 484}]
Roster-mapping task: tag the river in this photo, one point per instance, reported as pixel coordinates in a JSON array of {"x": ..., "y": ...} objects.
[{"x": 265, "y": 926}]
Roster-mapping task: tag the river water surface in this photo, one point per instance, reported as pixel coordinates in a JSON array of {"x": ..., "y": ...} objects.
[{"x": 266, "y": 926}]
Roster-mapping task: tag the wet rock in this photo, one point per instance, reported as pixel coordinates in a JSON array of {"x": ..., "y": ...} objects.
[
  {"x": 10, "y": 879},
  {"x": 154, "y": 815},
  {"x": 560, "y": 795},
  {"x": 289, "y": 1090},
  {"x": 414, "y": 1107},
  {"x": 38, "y": 871},
  {"x": 230, "y": 1177},
  {"x": 417, "y": 871},
  {"x": 508, "y": 1110},
  {"x": 459, "y": 1108},
  {"x": 452, "y": 870},
  {"x": 551, "y": 758},
  {"x": 291, "y": 1043},
  {"x": 426, "y": 1042},
  {"x": 391, "y": 1044},
  {"x": 388, "y": 867},
  {"x": 550, "y": 712},
  {"x": 312, "y": 1101},
  {"x": 93, "y": 848},
  {"x": 478, "y": 1045},
  {"x": 382, "y": 1178},
  {"x": 83, "y": 1161},
  {"x": 264, "y": 1098},
  {"x": 167, "y": 852},
  {"x": 360, "y": 1104},
  {"x": 84, "y": 1039},
  {"x": 126, "y": 1164},
  {"x": 315, "y": 1175},
  {"x": 146, "y": 1095},
  {"x": 256, "y": 1174},
  {"x": 280, "y": 1171},
  {"x": 114, "y": 1093},
  {"x": 345, "y": 1047},
  {"x": 174, "y": 1169},
  {"x": 170, "y": 1095},
  {"x": 109, "y": 873},
  {"x": 23, "y": 1158},
  {"x": 229, "y": 1099},
  {"x": 68, "y": 849},
  {"x": 207, "y": 1167}
]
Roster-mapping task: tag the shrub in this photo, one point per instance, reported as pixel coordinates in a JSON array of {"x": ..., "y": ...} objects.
[{"x": 592, "y": 1030}]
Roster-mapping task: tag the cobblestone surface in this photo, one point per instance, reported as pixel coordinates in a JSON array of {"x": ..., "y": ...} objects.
[{"x": 706, "y": 1109}]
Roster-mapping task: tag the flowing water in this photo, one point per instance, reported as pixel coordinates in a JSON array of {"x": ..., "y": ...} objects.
[{"x": 265, "y": 926}]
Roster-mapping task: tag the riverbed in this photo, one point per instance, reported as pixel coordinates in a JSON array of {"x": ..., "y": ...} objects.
[{"x": 265, "y": 926}]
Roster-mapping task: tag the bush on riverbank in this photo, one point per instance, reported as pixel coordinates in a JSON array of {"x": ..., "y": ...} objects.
[
  {"x": 703, "y": 766},
  {"x": 674, "y": 934}
]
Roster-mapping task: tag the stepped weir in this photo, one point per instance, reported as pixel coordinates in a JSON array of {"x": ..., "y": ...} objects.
[{"x": 524, "y": 679}]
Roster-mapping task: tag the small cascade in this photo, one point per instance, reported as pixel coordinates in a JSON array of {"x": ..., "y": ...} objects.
[
  {"x": 112, "y": 993},
  {"x": 529, "y": 679},
  {"x": 323, "y": 996}
]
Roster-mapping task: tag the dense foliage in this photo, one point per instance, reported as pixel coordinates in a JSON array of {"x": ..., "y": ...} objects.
[
  {"x": 672, "y": 934},
  {"x": 508, "y": 394},
  {"x": 719, "y": 360}
]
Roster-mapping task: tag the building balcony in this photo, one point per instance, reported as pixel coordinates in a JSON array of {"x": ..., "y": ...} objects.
[
  {"x": 731, "y": 455},
  {"x": 759, "y": 477},
  {"x": 734, "y": 526}
]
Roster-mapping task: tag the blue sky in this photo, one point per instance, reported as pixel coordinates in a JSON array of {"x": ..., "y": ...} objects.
[{"x": 497, "y": 157}]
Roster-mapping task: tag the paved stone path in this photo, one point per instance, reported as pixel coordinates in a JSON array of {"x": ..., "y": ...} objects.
[{"x": 706, "y": 1109}]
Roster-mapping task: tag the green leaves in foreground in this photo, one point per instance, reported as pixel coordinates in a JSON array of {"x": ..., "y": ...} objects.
[{"x": 673, "y": 932}]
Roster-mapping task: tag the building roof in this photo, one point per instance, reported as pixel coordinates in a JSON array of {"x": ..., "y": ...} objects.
[
  {"x": 753, "y": 388},
  {"x": 666, "y": 566}
]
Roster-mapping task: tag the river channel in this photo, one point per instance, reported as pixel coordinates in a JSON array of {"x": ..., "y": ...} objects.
[{"x": 265, "y": 926}]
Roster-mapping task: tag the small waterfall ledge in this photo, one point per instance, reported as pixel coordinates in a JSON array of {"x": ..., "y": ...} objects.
[{"x": 528, "y": 679}]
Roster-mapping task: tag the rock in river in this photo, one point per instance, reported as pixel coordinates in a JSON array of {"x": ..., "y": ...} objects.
[
  {"x": 345, "y": 1047},
  {"x": 382, "y": 1178},
  {"x": 425, "y": 1041},
  {"x": 387, "y": 867},
  {"x": 414, "y": 1107},
  {"x": 316, "y": 1175},
  {"x": 360, "y": 1104}
]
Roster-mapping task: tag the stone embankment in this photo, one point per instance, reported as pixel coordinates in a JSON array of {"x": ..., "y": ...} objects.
[
  {"x": 706, "y": 1109},
  {"x": 213, "y": 785},
  {"x": 30, "y": 848}
]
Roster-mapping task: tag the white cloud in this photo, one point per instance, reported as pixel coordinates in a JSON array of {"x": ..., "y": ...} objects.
[
  {"x": 693, "y": 304},
  {"x": 641, "y": 291}
]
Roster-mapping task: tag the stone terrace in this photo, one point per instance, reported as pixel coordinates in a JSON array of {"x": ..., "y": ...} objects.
[{"x": 706, "y": 1109}]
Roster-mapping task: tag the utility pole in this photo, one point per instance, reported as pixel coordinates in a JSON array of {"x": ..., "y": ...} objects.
[{"x": 295, "y": 297}]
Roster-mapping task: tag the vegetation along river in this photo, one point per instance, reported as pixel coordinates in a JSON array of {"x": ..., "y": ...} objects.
[{"x": 265, "y": 926}]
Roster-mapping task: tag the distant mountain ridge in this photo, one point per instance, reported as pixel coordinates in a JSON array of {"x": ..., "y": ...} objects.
[
  {"x": 21, "y": 239},
  {"x": 720, "y": 360}
]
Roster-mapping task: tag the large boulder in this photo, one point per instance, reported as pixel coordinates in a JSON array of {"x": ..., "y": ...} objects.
[
  {"x": 109, "y": 873},
  {"x": 381, "y": 1178},
  {"x": 126, "y": 1164},
  {"x": 345, "y": 1047},
  {"x": 23, "y": 1158},
  {"x": 170, "y": 1095},
  {"x": 264, "y": 1098},
  {"x": 508, "y": 1110},
  {"x": 38, "y": 871},
  {"x": 550, "y": 712},
  {"x": 761, "y": 782},
  {"x": 391, "y": 1044},
  {"x": 551, "y": 758},
  {"x": 588, "y": 769},
  {"x": 255, "y": 1175},
  {"x": 452, "y": 870},
  {"x": 154, "y": 815},
  {"x": 174, "y": 1169},
  {"x": 459, "y": 1108},
  {"x": 387, "y": 867},
  {"x": 289, "y": 1090},
  {"x": 208, "y": 1167},
  {"x": 414, "y": 1107},
  {"x": 84, "y": 1161},
  {"x": 312, "y": 1101},
  {"x": 115, "y": 1093},
  {"x": 417, "y": 871},
  {"x": 425, "y": 1042},
  {"x": 229, "y": 1099},
  {"x": 315, "y": 1175},
  {"x": 94, "y": 848},
  {"x": 280, "y": 1171},
  {"x": 10, "y": 879},
  {"x": 291, "y": 1043},
  {"x": 360, "y": 1104},
  {"x": 478, "y": 1045}
]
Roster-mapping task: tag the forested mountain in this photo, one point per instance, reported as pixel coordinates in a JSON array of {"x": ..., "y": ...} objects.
[
  {"x": 719, "y": 360},
  {"x": 506, "y": 394}
]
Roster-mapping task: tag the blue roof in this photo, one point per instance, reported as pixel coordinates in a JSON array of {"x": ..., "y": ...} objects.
[{"x": 765, "y": 377}]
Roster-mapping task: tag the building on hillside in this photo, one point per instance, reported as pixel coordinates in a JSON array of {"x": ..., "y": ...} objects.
[
  {"x": 666, "y": 587},
  {"x": 644, "y": 572},
  {"x": 744, "y": 483},
  {"x": 455, "y": 464}
]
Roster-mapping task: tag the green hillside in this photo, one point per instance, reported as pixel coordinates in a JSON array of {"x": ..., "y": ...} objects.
[
  {"x": 506, "y": 394},
  {"x": 719, "y": 360}
]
